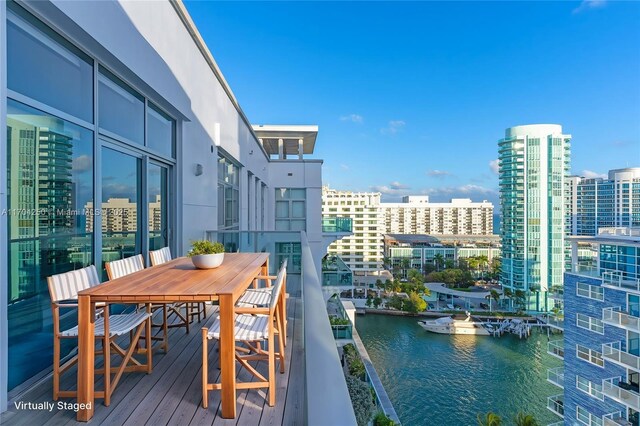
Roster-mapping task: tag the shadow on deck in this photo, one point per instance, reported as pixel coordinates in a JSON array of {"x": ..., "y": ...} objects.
[{"x": 172, "y": 394}]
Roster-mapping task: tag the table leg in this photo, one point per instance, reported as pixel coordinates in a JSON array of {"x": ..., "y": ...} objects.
[
  {"x": 227, "y": 357},
  {"x": 265, "y": 268},
  {"x": 86, "y": 356}
]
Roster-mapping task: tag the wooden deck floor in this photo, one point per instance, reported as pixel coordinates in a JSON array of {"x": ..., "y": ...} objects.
[{"x": 172, "y": 394}]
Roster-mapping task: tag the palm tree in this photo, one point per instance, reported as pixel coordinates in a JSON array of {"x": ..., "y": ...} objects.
[
  {"x": 406, "y": 264},
  {"x": 494, "y": 295},
  {"x": 473, "y": 265},
  {"x": 489, "y": 419},
  {"x": 508, "y": 294},
  {"x": 523, "y": 419},
  {"x": 483, "y": 262},
  {"x": 439, "y": 261}
]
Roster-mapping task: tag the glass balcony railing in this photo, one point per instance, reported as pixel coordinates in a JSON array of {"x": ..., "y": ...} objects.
[
  {"x": 622, "y": 392},
  {"x": 620, "y": 318},
  {"x": 614, "y": 352},
  {"x": 337, "y": 225},
  {"x": 556, "y": 376},
  {"x": 615, "y": 419},
  {"x": 555, "y": 404},
  {"x": 335, "y": 272},
  {"x": 617, "y": 281},
  {"x": 556, "y": 348},
  {"x": 342, "y": 331}
]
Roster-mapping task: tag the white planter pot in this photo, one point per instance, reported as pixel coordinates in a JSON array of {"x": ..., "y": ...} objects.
[{"x": 207, "y": 261}]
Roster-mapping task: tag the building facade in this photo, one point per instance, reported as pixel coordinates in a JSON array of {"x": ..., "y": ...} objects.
[
  {"x": 601, "y": 345},
  {"x": 134, "y": 120},
  {"x": 533, "y": 167},
  {"x": 610, "y": 202}
]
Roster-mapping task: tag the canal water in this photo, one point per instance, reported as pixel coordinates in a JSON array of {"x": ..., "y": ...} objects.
[{"x": 440, "y": 380}]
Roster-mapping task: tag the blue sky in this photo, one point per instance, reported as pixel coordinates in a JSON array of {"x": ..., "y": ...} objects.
[{"x": 411, "y": 98}]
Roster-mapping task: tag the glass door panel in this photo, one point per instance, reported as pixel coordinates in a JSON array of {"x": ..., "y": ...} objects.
[
  {"x": 158, "y": 196},
  {"x": 120, "y": 208}
]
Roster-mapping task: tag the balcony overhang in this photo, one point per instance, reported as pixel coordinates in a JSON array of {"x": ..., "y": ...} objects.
[{"x": 287, "y": 140}]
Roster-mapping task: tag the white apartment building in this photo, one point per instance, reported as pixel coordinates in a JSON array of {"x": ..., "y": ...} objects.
[
  {"x": 416, "y": 215},
  {"x": 372, "y": 219}
]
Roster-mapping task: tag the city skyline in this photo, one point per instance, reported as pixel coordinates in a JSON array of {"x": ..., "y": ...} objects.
[{"x": 447, "y": 80}]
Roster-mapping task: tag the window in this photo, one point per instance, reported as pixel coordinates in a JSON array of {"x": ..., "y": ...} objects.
[
  {"x": 589, "y": 323},
  {"x": 291, "y": 212},
  {"x": 586, "y": 418},
  {"x": 589, "y": 355},
  {"x": 593, "y": 292},
  {"x": 228, "y": 194},
  {"x": 160, "y": 131},
  {"x": 589, "y": 387},
  {"x": 49, "y": 162},
  {"x": 293, "y": 253},
  {"x": 120, "y": 108},
  {"x": 45, "y": 67}
]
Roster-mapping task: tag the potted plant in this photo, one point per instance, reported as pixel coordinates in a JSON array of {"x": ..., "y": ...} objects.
[{"x": 206, "y": 255}]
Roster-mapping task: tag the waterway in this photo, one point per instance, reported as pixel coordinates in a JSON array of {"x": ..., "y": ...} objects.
[{"x": 439, "y": 380}]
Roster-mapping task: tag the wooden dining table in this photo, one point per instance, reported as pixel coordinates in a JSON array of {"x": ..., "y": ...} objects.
[{"x": 171, "y": 282}]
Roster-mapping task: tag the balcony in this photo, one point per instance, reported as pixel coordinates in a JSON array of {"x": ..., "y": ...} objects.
[
  {"x": 616, "y": 281},
  {"x": 555, "y": 376},
  {"x": 553, "y": 320},
  {"x": 621, "y": 318},
  {"x": 172, "y": 393},
  {"x": 614, "y": 352},
  {"x": 615, "y": 419},
  {"x": 622, "y": 392},
  {"x": 335, "y": 272},
  {"x": 556, "y": 348},
  {"x": 555, "y": 404},
  {"x": 336, "y": 225}
]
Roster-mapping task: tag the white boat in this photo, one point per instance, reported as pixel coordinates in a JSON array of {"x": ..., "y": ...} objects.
[{"x": 450, "y": 325}]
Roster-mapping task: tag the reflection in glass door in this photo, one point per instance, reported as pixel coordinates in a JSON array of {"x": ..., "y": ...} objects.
[
  {"x": 120, "y": 209},
  {"x": 158, "y": 196}
]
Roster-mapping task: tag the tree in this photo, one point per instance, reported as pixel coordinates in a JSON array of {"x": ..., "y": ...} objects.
[
  {"x": 368, "y": 302},
  {"x": 376, "y": 302},
  {"x": 489, "y": 419},
  {"x": 508, "y": 294},
  {"x": 395, "y": 302},
  {"x": 415, "y": 303},
  {"x": 483, "y": 262},
  {"x": 405, "y": 264},
  {"x": 415, "y": 277},
  {"x": 473, "y": 263},
  {"x": 379, "y": 284},
  {"x": 361, "y": 400},
  {"x": 521, "y": 300},
  {"x": 439, "y": 261},
  {"x": 449, "y": 263},
  {"x": 495, "y": 295},
  {"x": 523, "y": 419}
]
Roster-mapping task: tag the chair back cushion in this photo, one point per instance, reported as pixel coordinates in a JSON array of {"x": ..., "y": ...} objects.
[
  {"x": 158, "y": 257},
  {"x": 126, "y": 266},
  {"x": 67, "y": 285}
]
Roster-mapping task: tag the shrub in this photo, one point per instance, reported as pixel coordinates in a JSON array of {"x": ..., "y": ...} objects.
[
  {"x": 205, "y": 247},
  {"x": 361, "y": 400},
  {"x": 381, "y": 419}
]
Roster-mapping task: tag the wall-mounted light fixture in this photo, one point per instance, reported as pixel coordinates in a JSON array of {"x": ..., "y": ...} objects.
[{"x": 198, "y": 170}]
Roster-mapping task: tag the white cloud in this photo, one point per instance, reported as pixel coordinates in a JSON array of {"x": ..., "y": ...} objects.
[
  {"x": 589, "y": 5},
  {"x": 394, "y": 188},
  {"x": 394, "y": 127},
  {"x": 475, "y": 192},
  {"x": 440, "y": 174},
  {"x": 494, "y": 165},
  {"x": 344, "y": 167},
  {"x": 355, "y": 118},
  {"x": 589, "y": 174},
  {"x": 82, "y": 163}
]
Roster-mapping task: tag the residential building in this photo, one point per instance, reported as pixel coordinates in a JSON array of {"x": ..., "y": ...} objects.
[
  {"x": 610, "y": 202},
  {"x": 533, "y": 167},
  {"x": 601, "y": 345},
  {"x": 416, "y": 215},
  {"x": 362, "y": 251},
  {"x": 131, "y": 117},
  {"x": 422, "y": 250},
  {"x": 372, "y": 219}
]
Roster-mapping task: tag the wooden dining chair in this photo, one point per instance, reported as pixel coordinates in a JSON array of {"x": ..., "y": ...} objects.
[
  {"x": 63, "y": 290},
  {"x": 261, "y": 296},
  {"x": 163, "y": 255},
  {"x": 129, "y": 265},
  {"x": 252, "y": 325}
]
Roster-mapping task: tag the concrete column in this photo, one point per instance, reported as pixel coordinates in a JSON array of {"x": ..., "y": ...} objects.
[
  {"x": 281, "y": 154},
  {"x": 300, "y": 149},
  {"x": 574, "y": 256}
]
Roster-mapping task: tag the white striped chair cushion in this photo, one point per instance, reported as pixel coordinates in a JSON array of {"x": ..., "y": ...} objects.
[
  {"x": 122, "y": 267},
  {"x": 158, "y": 257},
  {"x": 66, "y": 286},
  {"x": 248, "y": 328},
  {"x": 118, "y": 325},
  {"x": 256, "y": 297}
]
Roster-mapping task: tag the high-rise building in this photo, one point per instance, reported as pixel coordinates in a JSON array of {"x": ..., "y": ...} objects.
[
  {"x": 534, "y": 164},
  {"x": 601, "y": 344},
  {"x": 417, "y": 215},
  {"x": 611, "y": 202}
]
